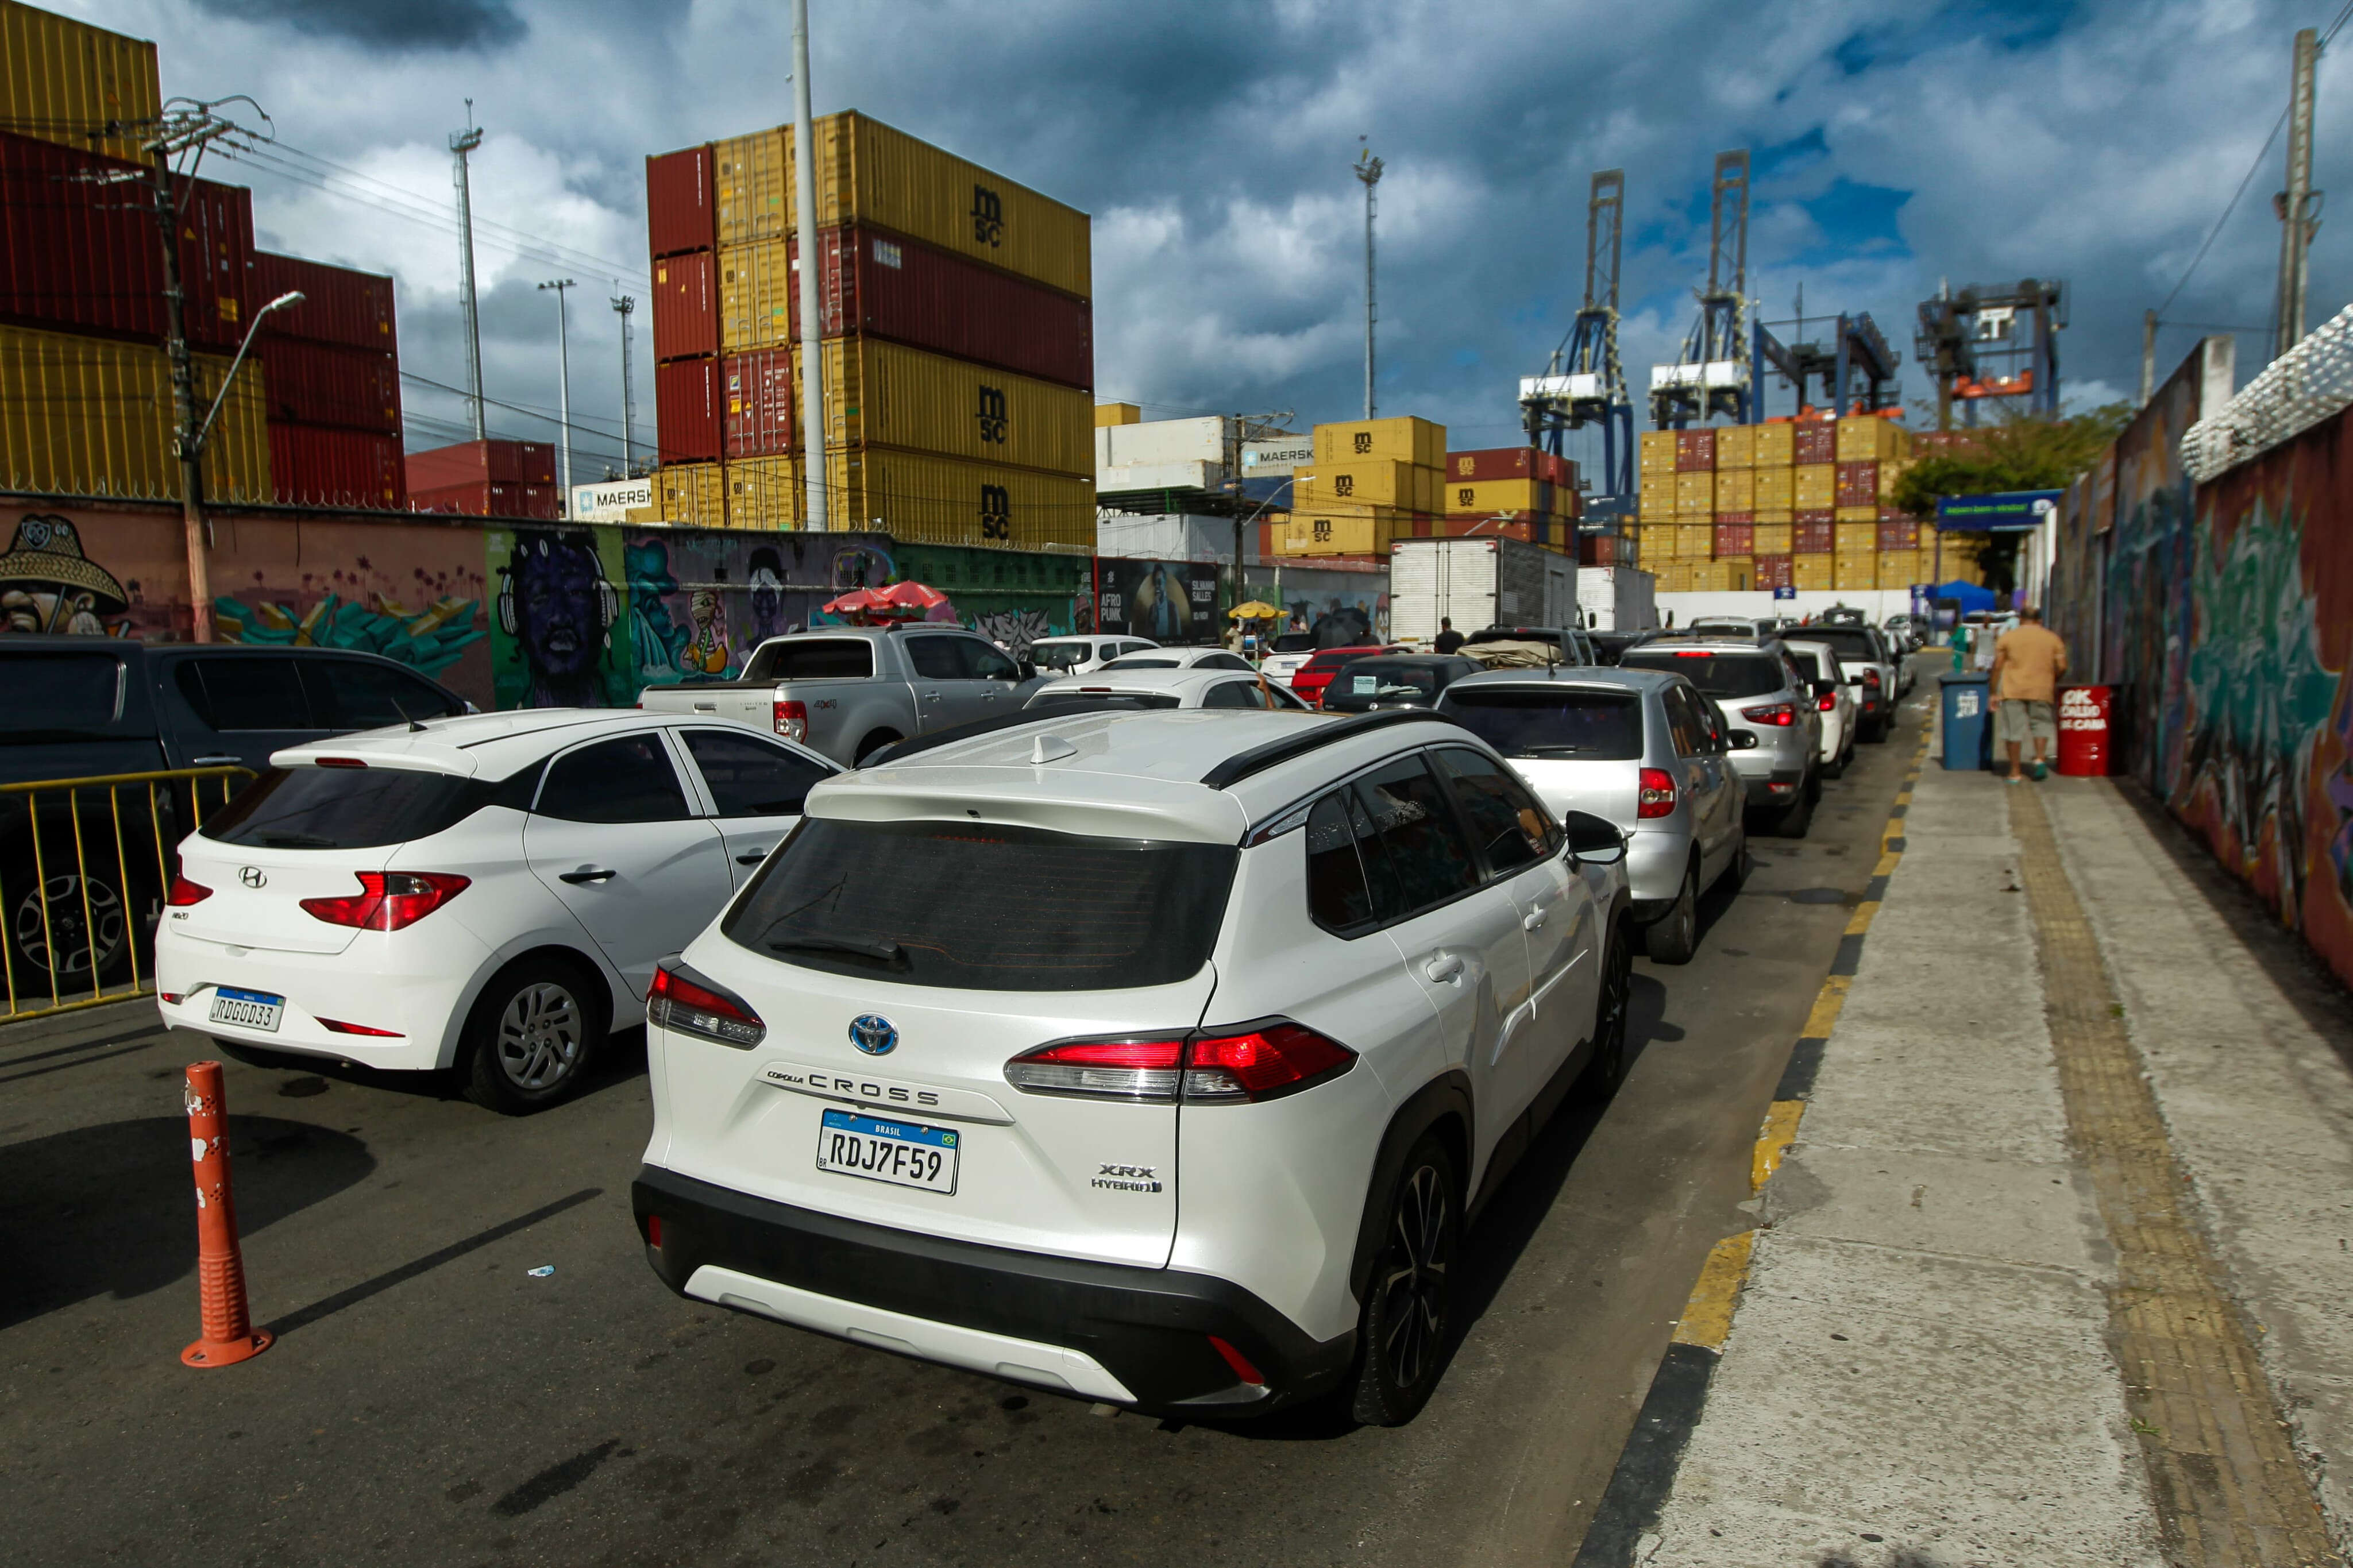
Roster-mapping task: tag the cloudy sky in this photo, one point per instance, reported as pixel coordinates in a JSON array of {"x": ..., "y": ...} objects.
[{"x": 1896, "y": 143}]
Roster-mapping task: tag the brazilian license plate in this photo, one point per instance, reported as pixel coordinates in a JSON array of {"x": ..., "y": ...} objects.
[
  {"x": 252, "y": 1009},
  {"x": 904, "y": 1154}
]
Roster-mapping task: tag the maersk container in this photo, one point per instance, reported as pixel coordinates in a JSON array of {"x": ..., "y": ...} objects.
[
  {"x": 1476, "y": 583},
  {"x": 918, "y": 497},
  {"x": 690, "y": 412},
  {"x": 339, "y": 305},
  {"x": 759, "y": 418},
  {"x": 686, "y": 307},
  {"x": 680, "y": 211},
  {"x": 881, "y": 393},
  {"x": 92, "y": 417},
  {"x": 313, "y": 466},
  {"x": 66, "y": 80},
  {"x": 927, "y": 298},
  {"x": 323, "y": 384}
]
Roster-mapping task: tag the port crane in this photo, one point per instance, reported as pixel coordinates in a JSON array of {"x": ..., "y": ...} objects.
[
  {"x": 1993, "y": 340},
  {"x": 1714, "y": 374},
  {"x": 1585, "y": 384}
]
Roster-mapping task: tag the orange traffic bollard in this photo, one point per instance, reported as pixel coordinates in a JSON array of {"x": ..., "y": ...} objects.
[{"x": 229, "y": 1334}]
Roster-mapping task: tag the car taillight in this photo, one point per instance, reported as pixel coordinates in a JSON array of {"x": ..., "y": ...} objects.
[
  {"x": 184, "y": 893},
  {"x": 388, "y": 901},
  {"x": 337, "y": 1026},
  {"x": 791, "y": 720},
  {"x": 1654, "y": 792},
  {"x": 1781, "y": 715},
  {"x": 698, "y": 1007},
  {"x": 1827, "y": 704},
  {"x": 1216, "y": 1068},
  {"x": 1871, "y": 677}
]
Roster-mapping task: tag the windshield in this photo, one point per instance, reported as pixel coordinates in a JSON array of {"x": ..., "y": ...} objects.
[
  {"x": 1371, "y": 681},
  {"x": 344, "y": 808},
  {"x": 1064, "y": 912},
  {"x": 1551, "y": 721},
  {"x": 813, "y": 658},
  {"x": 1295, "y": 642},
  {"x": 1060, "y": 655},
  {"x": 1725, "y": 673}
]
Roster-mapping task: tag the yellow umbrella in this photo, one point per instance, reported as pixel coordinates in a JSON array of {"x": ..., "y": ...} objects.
[{"x": 1253, "y": 611}]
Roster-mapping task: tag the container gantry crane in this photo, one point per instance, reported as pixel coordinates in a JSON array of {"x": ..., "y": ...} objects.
[
  {"x": 1586, "y": 384},
  {"x": 1857, "y": 371},
  {"x": 1977, "y": 346},
  {"x": 1714, "y": 374}
]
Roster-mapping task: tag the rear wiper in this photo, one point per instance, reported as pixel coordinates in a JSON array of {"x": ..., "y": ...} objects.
[
  {"x": 1543, "y": 751},
  {"x": 889, "y": 952}
]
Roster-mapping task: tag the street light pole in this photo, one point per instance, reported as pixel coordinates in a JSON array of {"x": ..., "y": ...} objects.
[
  {"x": 1368, "y": 169},
  {"x": 624, "y": 305},
  {"x": 812, "y": 330},
  {"x": 563, "y": 381}
]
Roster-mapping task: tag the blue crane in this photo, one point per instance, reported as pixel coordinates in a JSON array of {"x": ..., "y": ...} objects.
[{"x": 1585, "y": 384}]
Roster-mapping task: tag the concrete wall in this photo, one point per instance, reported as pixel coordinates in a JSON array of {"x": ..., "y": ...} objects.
[{"x": 1877, "y": 602}]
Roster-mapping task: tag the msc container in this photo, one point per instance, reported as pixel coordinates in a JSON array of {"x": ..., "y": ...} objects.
[
  {"x": 1500, "y": 495},
  {"x": 679, "y": 214},
  {"x": 1815, "y": 486},
  {"x": 64, "y": 80},
  {"x": 1694, "y": 451},
  {"x": 1813, "y": 535},
  {"x": 1476, "y": 583},
  {"x": 310, "y": 465},
  {"x": 686, "y": 307},
  {"x": 339, "y": 305},
  {"x": 690, "y": 412},
  {"x": 752, "y": 188},
  {"x": 1324, "y": 533},
  {"x": 1773, "y": 571},
  {"x": 927, "y": 298},
  {"x": 1773, "y": 490},
  {"x": 1381, "y": 483},
  {"x": 766, "y": 493},
  {"x": 691, "y": 495},
  {"x": 1657, "y": 448},
  {"x": 1776, "y": 446},
  {"x": 757, "y": 390},
  {"x": 1736, "y": 447},
  {"x": 489, "y": 497},
  {"x": 91, "y": 417},
  {"x": 481, "y": 462},
  {"x": 1813, "y": 441},
  {"x": 1858, "y": 483},
  {"x": 924, "y": 498},
  {"x": 881, "y": 393},
  {"x": 321, "y": 384},
  {"x": 1403, "y": 440},
  {"x": 1735, "y": 489},
  {"x": 1509, "y": 463}
]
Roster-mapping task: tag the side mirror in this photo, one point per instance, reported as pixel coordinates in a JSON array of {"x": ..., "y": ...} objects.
[
  {"x": 1595, "y": 840},
  {"x": 1826, "y": 688},
  {"x": 1744, "y": 741}
]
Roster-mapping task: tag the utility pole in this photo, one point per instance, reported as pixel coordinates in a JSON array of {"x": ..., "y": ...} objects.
[
  {"x": 2299, "y": 203},
  {"x": 2147, "y": 357},
  {"x": 461, "y": 142},
  {"x": 812, "y": 330},
  {"x": 624, "y": 305},
  {"x": 563, "y": 381},
  {"x": 1368, "y": 169}
]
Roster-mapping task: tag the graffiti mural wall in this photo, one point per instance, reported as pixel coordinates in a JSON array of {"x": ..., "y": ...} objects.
[
  {"x": 1340, "y": 608},
  {"x": 700, "y": 601}
]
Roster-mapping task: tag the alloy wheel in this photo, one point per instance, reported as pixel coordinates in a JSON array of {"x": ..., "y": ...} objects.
[
  {"x": 1422, "y": 1245},
  {"x": 539, "y": 1036},
  {"x": 52, "y": 924}
]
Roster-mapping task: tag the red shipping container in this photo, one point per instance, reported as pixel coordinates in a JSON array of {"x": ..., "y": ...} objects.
[
  {"x": 1695, "y": 450},
  {"x": 1604, "y": 549},
  {"x": 313, "y": 466},
  {"x": 1496, "y": 463},
  {"x": 1774, "y": 572},
  {"x": 686, "y": 307},
  {"x": 1734, "y": 539},
  {"x": 936, "y": 299},
  {"x": 1739, "y": 517},
  {"x": 1904, "y": 535},
  {"x": 339, "y": 305},
  {"x": 690, "y": 411},
  {"x": 1858, "y": 484},
  {"x": 1813, "y": 514},
  {"x": 319, "y": 384},
  {"x": 482, "y": 462},
  {"x": 1524, "y": 525},
  {"x": 680, "y": 214},
  {"x": 758, "y": 388},
  {"x": 489, "y": 497},
  {"x": 79, "y": 255},
  {"x": 1816, "y": 441},
  {"x": 1813, "y": 538}
]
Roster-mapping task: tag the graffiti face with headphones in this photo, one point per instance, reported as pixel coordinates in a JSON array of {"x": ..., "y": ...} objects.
[{"x": 560, "y": 608}]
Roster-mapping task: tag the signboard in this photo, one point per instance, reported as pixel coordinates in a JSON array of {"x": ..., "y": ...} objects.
[
  {"x": 610, "y": 502},
  {"x": 1275, "y": 459},
  {"x": 2004, "y": 511},
  {"x": 1168, "y": 600},
  {"x": 1785, "y": 593}
]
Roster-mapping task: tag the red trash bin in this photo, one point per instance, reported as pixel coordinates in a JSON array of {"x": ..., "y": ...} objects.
[{"x": 2083, "y": 730}]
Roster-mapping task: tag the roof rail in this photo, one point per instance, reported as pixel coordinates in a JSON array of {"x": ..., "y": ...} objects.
[
  {"x": 1258, "y": 759},
  {"x": 900, "y": 750}
]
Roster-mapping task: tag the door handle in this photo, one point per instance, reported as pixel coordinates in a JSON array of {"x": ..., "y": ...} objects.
[
  {"x": 1533, "y": 920},
  {"x": 751, "y": 857},
  {"x": 585, "y": 874},
  {"x": 930, "y": 696},
  {"x": 217, "y": 762},
  {"x": 1445, "y": 967}
]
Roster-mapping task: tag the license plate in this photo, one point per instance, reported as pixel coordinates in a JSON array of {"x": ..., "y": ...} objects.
[
  {"x": 903, "y": 1153},
  {"x": 253, "y": 1009}
]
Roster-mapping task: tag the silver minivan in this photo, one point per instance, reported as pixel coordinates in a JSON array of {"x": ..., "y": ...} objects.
[{"x": 1642, "y": 749}]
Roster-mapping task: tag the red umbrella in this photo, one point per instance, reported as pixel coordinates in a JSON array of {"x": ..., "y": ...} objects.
[{"x": 899, "y": 602}]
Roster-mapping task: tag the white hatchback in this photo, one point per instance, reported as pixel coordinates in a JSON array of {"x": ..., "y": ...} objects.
[
  {"x": 1120, "y": 685},
  {"x": 489, "y": 893},
  {"x": 1155, "y": 1057},
  {"x": 1083, "y": 652}
]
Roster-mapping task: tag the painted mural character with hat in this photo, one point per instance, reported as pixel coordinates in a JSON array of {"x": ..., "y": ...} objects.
[{"x": 48, "y": 585}]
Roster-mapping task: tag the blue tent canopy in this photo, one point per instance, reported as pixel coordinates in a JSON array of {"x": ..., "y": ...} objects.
[{"x": 1972, "y": 597}]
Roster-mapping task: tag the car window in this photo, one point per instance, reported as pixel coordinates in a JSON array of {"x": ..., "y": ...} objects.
[
  {"x": 1059, "y": 655},
  {"x": 815, "y": 659},
  {"x": 1684, "y": 732},
  {"x": 1231, "y": 694},
  {"x": 245, "y": 693},
  {"x": 1551, "y": 720},
  {"x": 1138, "y": 661},
  {"x": 346, "y": 808},
  {"x": 1337, "y": 897},
  {"x": 749, "y": 776},
  {"x": 61, "y": 696},
  {"x": 1422, "y": 858},
  {"x": 1136, "y": 647},
  {"x": 1224, "y": 661},
  {"x": 1746, "y": 673},
  {"x": 1071, "y": 698},
  {"x": 626, "y": 779},
  {"x": 982, "y": 662},
  {"x": 1507, "y": 825},
  {"x": 1713, "y": 725},
  {"x": 936, "y": 658},
  {"x": 354, "y": 694}
]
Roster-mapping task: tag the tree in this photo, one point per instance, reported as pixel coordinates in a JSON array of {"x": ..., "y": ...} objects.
[{"x": 2020, "y": 451}]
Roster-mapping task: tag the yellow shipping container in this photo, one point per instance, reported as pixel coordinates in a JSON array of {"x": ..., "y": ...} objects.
[
  {"x": 1674, "y": 576},
  {"x": 1813, "y": 569},
  {"x": 1658, "y": 452},
  {"x": 1848, "y": 514},
  {"x": 1815, "y": 487},
  {"x": 881, "y": 394},
  {"x": 1401, "y": 440},
  {"x": 1429, "y": 489},
  {"x": 752, "y": 186},
  {"x": 1656, "y": 494},
  {"x": 1375, "y": 483},
  {"x": 1694, "y": 541},
  {"x": 1736, "y": 488},
  {"x": 1776, "y": 488},
  {"x": 931, "y": 500},
  {"x": 1117, "y": 414},
  {"x": 755, "y": 293},
  {"x": 1890, "y": 470},
  {"x": 1695, "y": 493},
  {"x": 766, "y": 494},
  {"x": 1499, "y": 495},
  {"x": 1324, "y": 533},
  {"x": 1857, "y": 571},
  {"x": 92, "y": 417},
  {"x": 1773, "y": 538},
  {"x": 1854, "y": 538},
  {"x": 1777, "y": 446},
  {"x": 62, "y": 81},
  {"x": 1736, "y": 447},
  {"x": 1899, "y": 568},
  {"x": 691, "y": 495},
  {"x": 1867, "y": 438},
  {"x": 1731, "y": 575}
]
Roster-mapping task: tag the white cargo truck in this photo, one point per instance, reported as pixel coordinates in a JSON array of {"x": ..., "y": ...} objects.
[
  {"x": 1617, "y": 598},
  {"x": 1476, "y": 583}
]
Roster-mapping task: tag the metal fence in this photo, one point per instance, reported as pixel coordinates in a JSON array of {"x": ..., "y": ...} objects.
[
  {"x": 2297, "y": 391},
  {"x": 87, "y": 866}
]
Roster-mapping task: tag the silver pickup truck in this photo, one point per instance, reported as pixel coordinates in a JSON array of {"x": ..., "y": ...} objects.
[{"x": 852, "y": 691}]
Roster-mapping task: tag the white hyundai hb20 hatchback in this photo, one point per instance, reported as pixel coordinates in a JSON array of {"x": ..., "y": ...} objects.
[{"x": 1153, "y": 1057}]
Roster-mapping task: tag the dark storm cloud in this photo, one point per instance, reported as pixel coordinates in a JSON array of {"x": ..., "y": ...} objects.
[{"x": 452, "y": 25}]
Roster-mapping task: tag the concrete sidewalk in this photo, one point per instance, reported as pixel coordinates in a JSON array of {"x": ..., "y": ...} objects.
[{"x": 2060, "y": 1238}]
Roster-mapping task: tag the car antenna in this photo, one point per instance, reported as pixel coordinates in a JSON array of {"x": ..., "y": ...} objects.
[{"x": 413, "y": 727}]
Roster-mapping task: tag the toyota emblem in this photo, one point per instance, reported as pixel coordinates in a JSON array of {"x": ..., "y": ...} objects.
[
  {"x": 252, "y": 876},
  {"x": 873, "y": 1034}
]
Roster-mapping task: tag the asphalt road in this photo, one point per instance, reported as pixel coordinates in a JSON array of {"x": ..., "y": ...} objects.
[{"x": 431, "y": 1400}]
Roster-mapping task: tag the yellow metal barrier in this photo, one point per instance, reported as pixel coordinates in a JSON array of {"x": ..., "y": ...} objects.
[{"x": 61, "y": 939}]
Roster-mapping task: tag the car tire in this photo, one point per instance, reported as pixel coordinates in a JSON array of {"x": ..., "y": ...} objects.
[
  {"x": 1799, "y": 818},
  {"x": 1602, "y": 1075},
  {"x": 1673, "y": 937},
  {"x": 531, "y": 1035},
  {"x": 1836, "y": 767},
  {"x": 1875, "y": 732},
  {"x": 873, "y": 743},
  {"x": 1735, "y": 870},
  {"x": 117, "y": 915},
  {"x": 1403, "y": 1326}
]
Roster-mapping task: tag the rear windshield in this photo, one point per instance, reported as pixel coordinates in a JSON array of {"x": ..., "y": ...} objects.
[
  {"x": 1060, "y": 655},
  {"x": 1103, "y": 699},
  {"x": 61, "y": 696},
  {"x": 1853, "y": 642},
  {"x": 344, "y": 808},
  {"x": 1539, "y": 722},
  {"x": 1716, "y": 674},
  {"x": 1295, "y": 642},
  {"x": 827, "y": 659},
  {"x": 1138, "y": 661},
  {"x": 1063, "y": 912},
  {"x": 1371, "y": 681}
]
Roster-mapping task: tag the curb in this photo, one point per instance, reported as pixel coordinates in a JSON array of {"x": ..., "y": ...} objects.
[{"x": 1670, "y": 1412}]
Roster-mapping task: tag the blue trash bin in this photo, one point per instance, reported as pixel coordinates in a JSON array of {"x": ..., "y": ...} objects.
[{"x": 1966, "y": 723}]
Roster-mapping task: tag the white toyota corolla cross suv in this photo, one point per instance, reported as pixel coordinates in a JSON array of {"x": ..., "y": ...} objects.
[{"x": 1153, "y": 1057}]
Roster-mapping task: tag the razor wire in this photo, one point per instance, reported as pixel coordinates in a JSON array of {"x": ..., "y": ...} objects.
[{"x": 2295, "y": 392}]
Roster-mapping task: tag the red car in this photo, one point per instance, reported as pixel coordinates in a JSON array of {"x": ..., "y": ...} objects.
[{"x": 1317, "y": 673}]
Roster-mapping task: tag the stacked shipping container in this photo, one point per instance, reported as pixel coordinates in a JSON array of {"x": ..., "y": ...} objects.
[
  {"x": 334, "y": 377},
  {"x": 1515, "y": 490},
  {"x": 1373, "y": 482},
  {"x": 959, "y": 350},
  {"x": 485, "y": 479}
]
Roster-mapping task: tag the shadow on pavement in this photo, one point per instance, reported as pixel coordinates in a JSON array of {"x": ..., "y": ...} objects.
[
  {"x": 622, "y": 1060},
  {"x": 111, "y": 1209}
]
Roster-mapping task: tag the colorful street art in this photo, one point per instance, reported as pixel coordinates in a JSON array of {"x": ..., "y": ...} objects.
[
  {"x": 49, "y": 585},
  {"x": 561, "y": 640},
  {"x": 431, "y": 639}
]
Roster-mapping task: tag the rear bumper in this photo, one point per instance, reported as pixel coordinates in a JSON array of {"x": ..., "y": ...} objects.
[
  {"x": 1101, "y": 1331},
  {"x": 412, "y": 990},
  {"x": 1779, "y": 787},
  {"x": 1656, "y": 861}
]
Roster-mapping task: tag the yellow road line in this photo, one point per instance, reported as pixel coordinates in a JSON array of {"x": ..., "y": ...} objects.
[
  {"x": 1780, "y": 1131},
  {"x": 1708, "y": 1316}
]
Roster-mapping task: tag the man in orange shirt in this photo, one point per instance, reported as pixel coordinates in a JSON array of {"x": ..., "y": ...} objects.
[{"x": 2028, "y": 661}]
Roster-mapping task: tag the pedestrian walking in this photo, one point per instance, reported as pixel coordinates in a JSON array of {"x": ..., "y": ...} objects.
[
  {"x": 1448, "y": 638},
  {"x": 2028, "y": 661}
]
